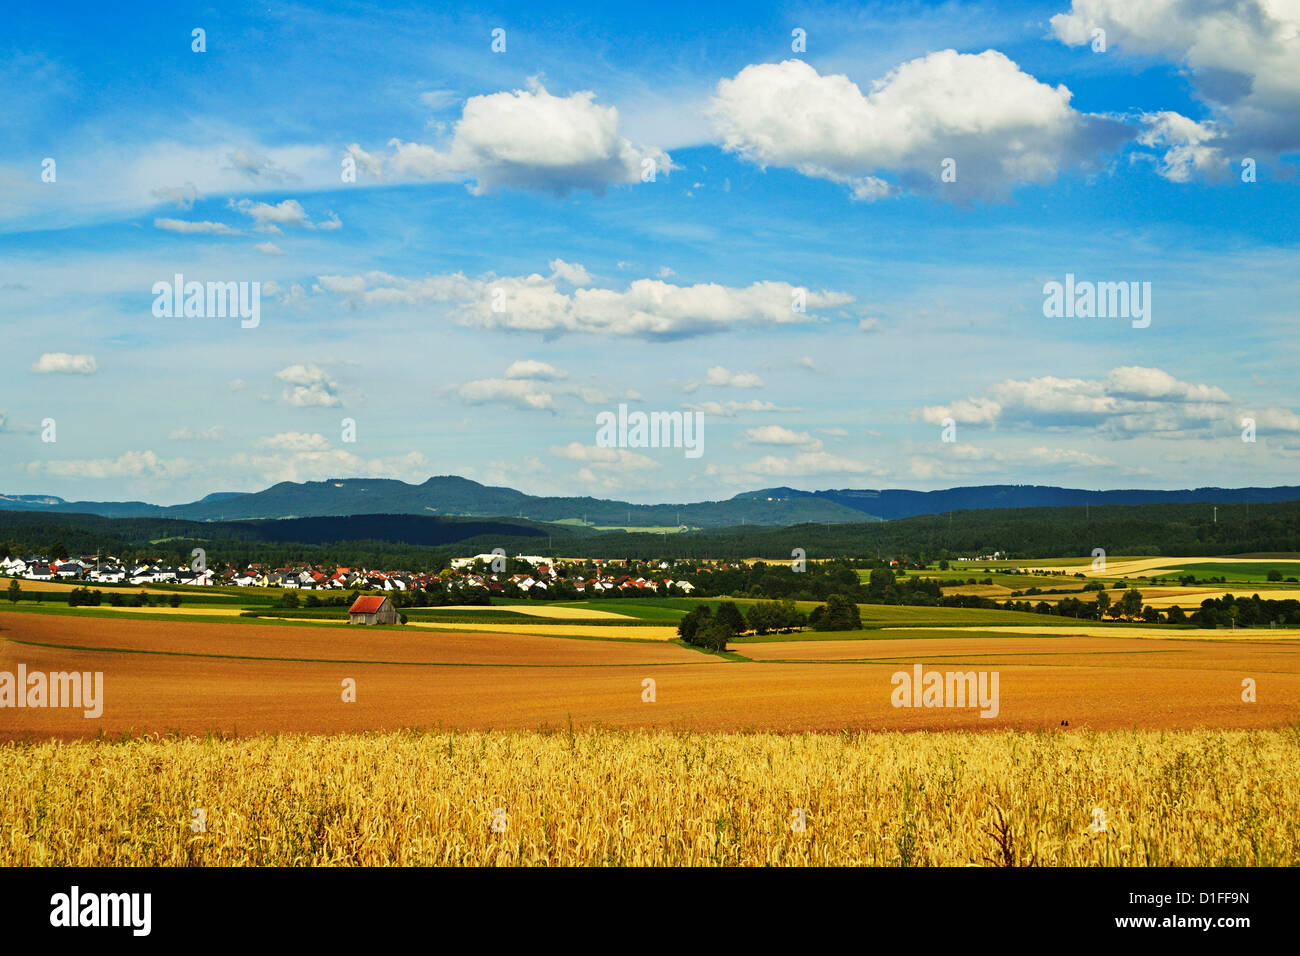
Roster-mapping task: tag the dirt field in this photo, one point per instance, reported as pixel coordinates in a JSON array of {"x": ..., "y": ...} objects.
[{"x": 168, "y": 676}]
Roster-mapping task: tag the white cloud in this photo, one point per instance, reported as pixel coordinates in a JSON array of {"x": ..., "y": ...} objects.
[
  {"x": 62, "y": 363},
  {"x": 725, "y": 378},
  {"x": 779, "y": 435},
  {"x": 185, "y": 227},
  {"x": 309, "y": 387},
  {"x": 295, "y": 442},
  {"x": 525, "y": 139},
  {"x": 1240, "y": 56},
  {"x": 270, "y": 249},
  {"x": 277, "y": 464},
  {"x": 131, "y": 464},
  {"x": 534, "y": 303},
  {"x": 618, "y": 459},
  {"x": 269, "y": 218},
  {"x": 806, "y": 463},
  {"x": 1186, "y": 139},
  {"x": 520, "y": 393},
  {"x": 1001, "y": 126},
  {"x": 733, "y": 408},
  {"x": 571, "y": 273},
  {"x": 1129, "y": 400},
  {"x": 531, "y": 368}
]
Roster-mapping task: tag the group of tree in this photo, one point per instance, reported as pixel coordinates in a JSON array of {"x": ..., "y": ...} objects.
[
  {"x": 701, "y": 627},
  {"x": 837, "y": 614},
  {"x": 85, "y": 597}
]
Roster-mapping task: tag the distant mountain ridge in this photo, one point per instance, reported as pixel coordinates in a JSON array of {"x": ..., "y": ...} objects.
[{"x": 453, "y": 496}]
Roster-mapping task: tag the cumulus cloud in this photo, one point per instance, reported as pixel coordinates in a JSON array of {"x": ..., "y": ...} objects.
[
  {"x": 805, "y": 464},
  {"x": 725, "y": 378},
  {"x": 525, "y": 139},
  {"x": 1000, "y": 125},
  {"x": 275, "y": 464},
  {"x": 531, "y": 368},
  {"x": 520, "y": 393},
  {"x": 131, "y": 464},
  {"x": 62, "y": 363},
  {"x": 647, "y": 307},
  {"x": 270, "y": 249},
  {"x": 533, "y": 385},
  {"x": 780, "y": 435},
  {"x": 1239, "y": 54},
  {"x": 309, "y": 386},
  {"x": 1185, "y": 142},
  {"x": 269, "y": 218},
  {"x": 569, "y": 272},
  {"x": 186, "y": 227},
  {"x": 1129, "y": 401},
  {"x": 618, "y": 459}
]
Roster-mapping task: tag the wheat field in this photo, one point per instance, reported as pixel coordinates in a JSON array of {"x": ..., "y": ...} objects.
[{"x": 1186, "y": 798}]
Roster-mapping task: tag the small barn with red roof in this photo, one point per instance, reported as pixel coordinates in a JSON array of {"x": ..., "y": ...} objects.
[{"x": 375, "y": 609}]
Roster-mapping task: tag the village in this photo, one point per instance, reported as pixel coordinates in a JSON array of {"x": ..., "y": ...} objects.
[{"x": 531, "y": 575}]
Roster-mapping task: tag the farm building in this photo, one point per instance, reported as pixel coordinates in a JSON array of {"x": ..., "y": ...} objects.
[{"x": 373, "y": 610}]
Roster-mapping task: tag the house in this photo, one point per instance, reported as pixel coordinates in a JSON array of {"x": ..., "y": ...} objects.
[{"x": 374, "y": 609}]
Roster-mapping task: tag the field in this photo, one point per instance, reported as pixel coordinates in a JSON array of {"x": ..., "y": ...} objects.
[
  {"x": 1121, "y": 798},
  {"x": 591, "y": 737},
  {"x": 241, "y": 675}
]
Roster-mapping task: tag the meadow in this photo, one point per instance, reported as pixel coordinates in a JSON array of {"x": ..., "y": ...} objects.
[{"x": 597, "y": 798}]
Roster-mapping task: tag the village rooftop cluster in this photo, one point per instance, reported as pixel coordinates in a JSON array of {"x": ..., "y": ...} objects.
[{"x": 542, "y": 574}]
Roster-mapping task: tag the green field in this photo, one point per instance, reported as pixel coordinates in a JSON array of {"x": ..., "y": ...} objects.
[{"x": 1234, "y": 572}]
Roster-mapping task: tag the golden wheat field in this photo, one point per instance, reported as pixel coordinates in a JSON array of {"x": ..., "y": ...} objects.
[{"x": 1186, "y": 798}]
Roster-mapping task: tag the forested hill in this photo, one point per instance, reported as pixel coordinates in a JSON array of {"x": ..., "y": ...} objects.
[
  {"x": 407, "y": 541},
  {"x": 450, "y": 495}
]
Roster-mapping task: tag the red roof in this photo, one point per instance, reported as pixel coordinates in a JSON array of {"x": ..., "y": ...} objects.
[{"x": 367, "y": 605}]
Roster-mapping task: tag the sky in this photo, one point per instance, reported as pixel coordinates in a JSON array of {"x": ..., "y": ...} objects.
[{"x": 829, "y": 230}]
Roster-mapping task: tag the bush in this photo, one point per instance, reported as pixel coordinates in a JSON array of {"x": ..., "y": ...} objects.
[{"x": 174, "y": 600}]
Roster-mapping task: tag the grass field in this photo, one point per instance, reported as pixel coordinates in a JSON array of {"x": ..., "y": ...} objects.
[{"x": 1202, "y": 798}]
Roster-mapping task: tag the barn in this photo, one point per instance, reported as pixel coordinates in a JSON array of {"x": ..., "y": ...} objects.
[{"x": 375, "y": 609}]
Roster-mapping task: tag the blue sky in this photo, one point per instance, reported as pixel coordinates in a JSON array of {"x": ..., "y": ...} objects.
[{"x": 522, "y": 174}]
